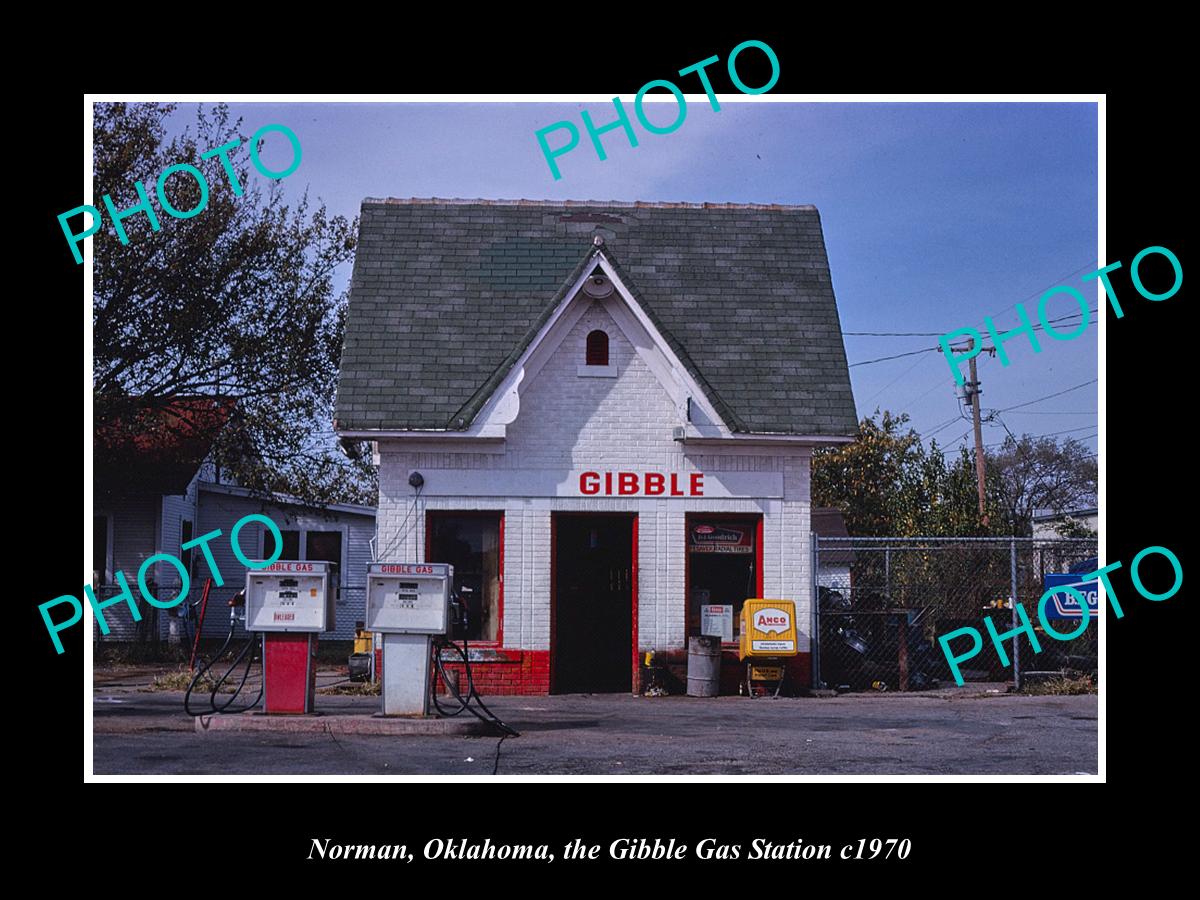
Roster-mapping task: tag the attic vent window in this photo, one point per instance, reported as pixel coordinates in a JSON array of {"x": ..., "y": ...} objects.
[{"x": 597, "y": 348}]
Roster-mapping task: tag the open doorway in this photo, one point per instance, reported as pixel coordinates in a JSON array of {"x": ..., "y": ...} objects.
[
  {"x": 724, "y": 569},
  {"x": 593, "y": 577}
]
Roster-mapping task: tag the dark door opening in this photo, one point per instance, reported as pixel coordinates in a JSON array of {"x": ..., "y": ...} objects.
[{"x": 593, "y": 604}]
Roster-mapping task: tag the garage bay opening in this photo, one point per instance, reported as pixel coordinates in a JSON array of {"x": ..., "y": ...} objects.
[{"x": 592, "y": 615}]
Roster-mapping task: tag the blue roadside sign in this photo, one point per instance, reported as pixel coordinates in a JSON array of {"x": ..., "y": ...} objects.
[{"x": 1064, "y": 605}]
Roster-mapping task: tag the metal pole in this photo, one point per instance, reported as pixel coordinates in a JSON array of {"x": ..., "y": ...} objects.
[
  {"x": 887, "y": 575},
  {"x": 815, "y": 638},
  {"x": 1017, "y": 640},
  {"x": 979, "y": 462}
]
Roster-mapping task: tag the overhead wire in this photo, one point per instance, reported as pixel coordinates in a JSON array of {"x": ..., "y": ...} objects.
[
  {"x": 903, "y": 374},
  {"x": 1038, "y": 327},
  {"x": 1054, "y": 433},
  {"x": 1064, "y": 412},
  {"x": 1048, "y": 396},
  {"x": 907, "y": 404}
]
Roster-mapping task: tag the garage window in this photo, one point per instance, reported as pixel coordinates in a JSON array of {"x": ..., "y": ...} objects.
[
  {"x": 308, "y": 545},
  {"x": 291, "y": 544},
  {"x": 473, "y": 544},
  {"x": 724, "y": 565}
]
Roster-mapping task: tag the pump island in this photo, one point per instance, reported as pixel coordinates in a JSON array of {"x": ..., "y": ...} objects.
[{"x": 601, "y": 416}]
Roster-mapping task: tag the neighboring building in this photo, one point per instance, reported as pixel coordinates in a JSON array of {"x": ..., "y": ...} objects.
[
  {"x": 340, "y": 533},
  {"x": 833, "y": 563},
  {"x": 1055, "y": 555},
  {"x": 1051, "y": 525},
  {"x": 155, "y": 491},
  {"x": 146, "y": 463},
  {"x": 601, "y": 414}
]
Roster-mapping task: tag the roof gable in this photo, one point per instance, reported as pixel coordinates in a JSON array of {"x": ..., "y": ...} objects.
[{"x": 491, "y": 413}]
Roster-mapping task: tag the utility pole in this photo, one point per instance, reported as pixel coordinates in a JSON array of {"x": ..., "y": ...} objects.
[{"x": 973, "y": 393}]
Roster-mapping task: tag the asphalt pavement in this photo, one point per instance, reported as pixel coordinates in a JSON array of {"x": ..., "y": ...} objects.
[{"x": 974, "y": 730}]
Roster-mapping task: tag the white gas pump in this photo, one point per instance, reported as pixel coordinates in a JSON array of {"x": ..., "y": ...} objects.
[
  {"x": 290, "y": 603},
  {"x": 408, "y": 603}
]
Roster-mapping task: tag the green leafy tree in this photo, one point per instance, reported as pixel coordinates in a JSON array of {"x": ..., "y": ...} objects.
[
  {"x": 1073, "y": 528},
  {"x": 237, "y": 301},
  {"x": 886, "y": 483}
]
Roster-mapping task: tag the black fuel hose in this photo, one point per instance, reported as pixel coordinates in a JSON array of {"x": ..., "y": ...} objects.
[
  {"x": 202, "y": 670},
  {"x": 486, "y": 716}
]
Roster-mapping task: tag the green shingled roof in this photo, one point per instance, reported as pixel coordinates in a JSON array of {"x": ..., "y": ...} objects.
[{"x": 446, "y": 294}]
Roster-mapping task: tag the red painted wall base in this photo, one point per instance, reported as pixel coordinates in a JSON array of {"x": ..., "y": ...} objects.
[{"x": 506, "y": 672}]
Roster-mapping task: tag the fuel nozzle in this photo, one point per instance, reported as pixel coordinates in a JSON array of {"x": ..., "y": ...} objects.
[
  {"x": 237, "y": 607},
  {"x": 458, "y": 607}
]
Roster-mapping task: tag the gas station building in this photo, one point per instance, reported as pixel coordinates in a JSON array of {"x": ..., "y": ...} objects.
[{"x": 601, "y": 414}]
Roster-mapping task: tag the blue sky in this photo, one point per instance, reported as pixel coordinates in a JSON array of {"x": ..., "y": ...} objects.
[{"x": 935, "y": 215}]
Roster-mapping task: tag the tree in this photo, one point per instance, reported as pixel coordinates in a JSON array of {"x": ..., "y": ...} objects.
[
  {"x": 237, "y": 301},
  {"x": 1073, "y": 528},
  {"x": 1031, "y": 474},
  {"x": 887, "y": 484}
]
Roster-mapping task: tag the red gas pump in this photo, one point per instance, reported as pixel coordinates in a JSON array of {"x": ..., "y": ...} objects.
[{"x": 290, "y": 603}]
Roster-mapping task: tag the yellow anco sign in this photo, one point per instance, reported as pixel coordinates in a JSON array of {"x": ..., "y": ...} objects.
[{"x": 768, "y": 628}]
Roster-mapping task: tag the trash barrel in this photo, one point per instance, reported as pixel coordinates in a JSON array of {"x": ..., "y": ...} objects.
[{"x": 704, "y": 666}]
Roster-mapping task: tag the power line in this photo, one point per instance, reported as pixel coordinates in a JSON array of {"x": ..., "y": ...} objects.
[
  {"x": 893, "y": 333},
  {"x": 1054, "y": 433},
  {"x": 1039, "y": 327},
  {"x": 940, "y": 383},
  {"x": 941, "y": 427},
  {"x": 867, "y": 362},
  {"x": 896, "y": 379},
  {"x": 960, "y": 437},
  {"x": 1041, "y": 290},
  {"x": 992, "y": 316},
  {"x": 1041, "y": 412},
  {"x": 1047, "y": 397},
  {"x": 908, "y": 404}
]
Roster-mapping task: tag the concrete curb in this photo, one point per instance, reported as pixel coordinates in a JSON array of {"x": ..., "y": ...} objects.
[
  {"x": 111, "y": 725},
  {"x": 340, "y": 724}
]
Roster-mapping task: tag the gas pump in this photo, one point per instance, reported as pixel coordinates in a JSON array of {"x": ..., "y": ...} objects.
[
  {"x": 413, "y": 606},
  {"x": 767, "y": 637},
  {"x": 408, "y": 603},
  {"x": 290, "y": 603}
]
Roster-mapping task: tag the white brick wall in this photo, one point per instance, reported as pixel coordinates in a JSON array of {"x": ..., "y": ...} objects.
[{"x": 569, "y": 422}]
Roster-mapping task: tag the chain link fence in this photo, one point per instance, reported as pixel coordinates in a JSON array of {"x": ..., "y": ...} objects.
[{"x": 884, "y": 602}]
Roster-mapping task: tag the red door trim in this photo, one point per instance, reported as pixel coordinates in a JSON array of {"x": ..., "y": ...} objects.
[
  {"x": 758, "y": 554},
  {"x": 759, "y": 519},
  {"x": 429, "y": 516},
  {"x": 634, "y": 686},
  {"x": 553, "y": 601}
]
